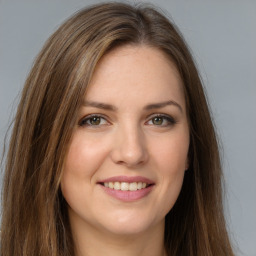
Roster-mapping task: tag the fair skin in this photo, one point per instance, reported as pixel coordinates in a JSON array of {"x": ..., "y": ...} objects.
[{"x": 139, "y": 131}]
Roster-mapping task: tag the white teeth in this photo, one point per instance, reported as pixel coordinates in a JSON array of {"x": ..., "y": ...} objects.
[
  {"x": 117, "y": 185},
  {"x": 133, "y": 186},
  {"x": 125, "y": 186}
]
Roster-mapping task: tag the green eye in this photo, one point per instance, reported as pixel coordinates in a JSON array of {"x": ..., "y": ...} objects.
[
  {"x": 161, "y": 120},
  {"x": 157, "y": 120},
  {"x": 95, "y": 120}
]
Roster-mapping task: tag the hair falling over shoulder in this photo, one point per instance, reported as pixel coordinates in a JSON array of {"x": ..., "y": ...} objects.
[{"x": 34, "y": 213}]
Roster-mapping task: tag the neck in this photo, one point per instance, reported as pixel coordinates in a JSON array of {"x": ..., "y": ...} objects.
[{"x": 89, "y": 241}]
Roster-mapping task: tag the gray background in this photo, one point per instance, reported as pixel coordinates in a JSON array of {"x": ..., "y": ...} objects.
[{"x": 222, "y": 36}]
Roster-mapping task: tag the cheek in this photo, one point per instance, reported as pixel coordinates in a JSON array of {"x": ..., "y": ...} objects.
[
  {"x": 172, "y": 165},
  {"x": 170, "y": 159},
  {"x": 84, "y": 156},
  {"x": 83, "y": 159},
  {"x": 171, "y": 154}
]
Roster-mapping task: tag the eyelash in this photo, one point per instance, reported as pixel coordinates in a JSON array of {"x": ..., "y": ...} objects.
[
  {"x": 170, "y": 120},
  {"x": 83, "y": 121}
]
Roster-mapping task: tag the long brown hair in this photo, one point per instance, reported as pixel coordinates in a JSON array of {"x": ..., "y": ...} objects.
[{"x": 34, "y": 215}]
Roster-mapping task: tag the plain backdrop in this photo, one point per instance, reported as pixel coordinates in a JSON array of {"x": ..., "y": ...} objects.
[{"x": 222, "y": 36}]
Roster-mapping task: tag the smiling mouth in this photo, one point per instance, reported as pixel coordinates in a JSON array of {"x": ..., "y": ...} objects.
[
  {"x": 127, "y": 189},
  {"x": 126, "y": 186}
]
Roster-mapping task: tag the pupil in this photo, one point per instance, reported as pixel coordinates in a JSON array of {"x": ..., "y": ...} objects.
[
  {"x": 158, "y": 120},
  {"x": 95, "y": 120}
]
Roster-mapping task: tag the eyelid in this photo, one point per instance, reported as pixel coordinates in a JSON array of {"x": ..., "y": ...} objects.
[
  {"x": 87, "y": 117},
  {"x": 170, "y": 119}
]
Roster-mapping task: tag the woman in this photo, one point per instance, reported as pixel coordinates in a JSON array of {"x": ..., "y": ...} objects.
[{"x": 113, "y": 149}]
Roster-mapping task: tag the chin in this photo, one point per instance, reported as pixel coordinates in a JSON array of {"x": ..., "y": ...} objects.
[
  {"x": 132, "y": 225},
  {"x": 127, "y": 229}
]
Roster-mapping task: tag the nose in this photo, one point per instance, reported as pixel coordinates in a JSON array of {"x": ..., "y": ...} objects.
[{"x": 129, "y": 147}]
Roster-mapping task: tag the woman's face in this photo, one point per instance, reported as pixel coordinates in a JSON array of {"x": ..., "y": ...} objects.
[{"x": 125, "y": 165}]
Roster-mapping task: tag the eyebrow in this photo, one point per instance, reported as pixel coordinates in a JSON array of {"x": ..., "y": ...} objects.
[
  {"x": 99, "y": 105},
  {"x": 110, "y": 107},
  {"x": 163, "y": 104}
]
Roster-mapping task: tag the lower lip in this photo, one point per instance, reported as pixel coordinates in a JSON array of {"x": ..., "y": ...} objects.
[{"x": 128, "y": 196}]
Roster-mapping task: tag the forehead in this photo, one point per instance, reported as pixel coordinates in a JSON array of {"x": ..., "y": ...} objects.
[{"x": 138, "y": 73}]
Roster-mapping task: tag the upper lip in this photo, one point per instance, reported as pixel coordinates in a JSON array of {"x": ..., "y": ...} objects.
[{"x": 128, "y": 179}]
